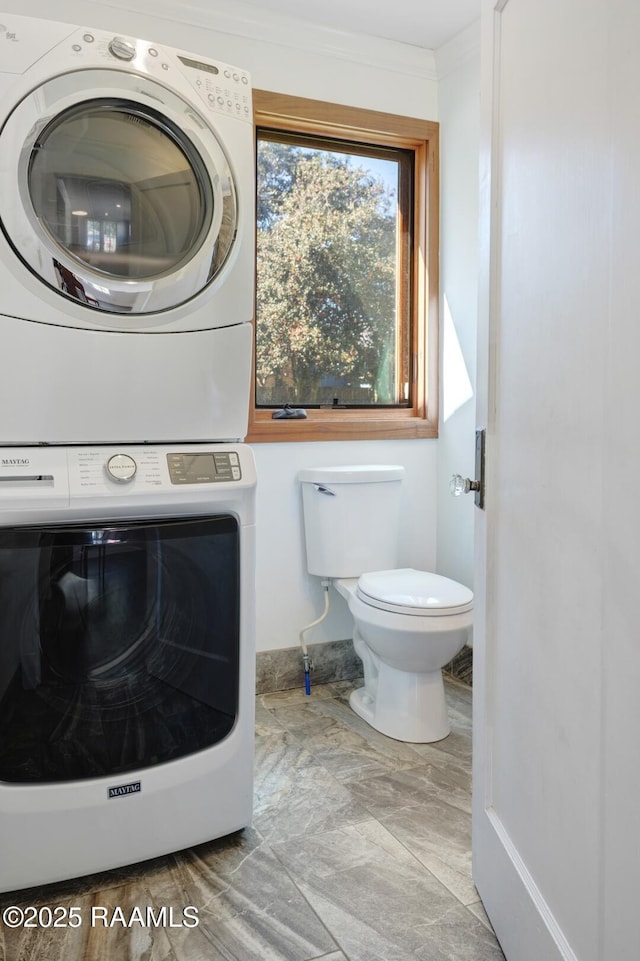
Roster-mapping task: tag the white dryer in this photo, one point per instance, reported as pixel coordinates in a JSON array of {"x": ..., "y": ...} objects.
[{"x": 127, "y": 219}]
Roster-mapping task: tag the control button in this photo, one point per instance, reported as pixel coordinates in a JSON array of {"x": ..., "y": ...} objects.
[
  {"x": 77, "y": 47},
  {"x": 153, "y": 52},
  {"x": 165, "y": 66},
  {"x": 122, "y": 49},
  {"x": 121, "y": 467},
  {"x": 88, "y": 38}
]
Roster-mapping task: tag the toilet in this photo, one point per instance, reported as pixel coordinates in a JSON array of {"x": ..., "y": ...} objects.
[{"x": 407, "y": 623}]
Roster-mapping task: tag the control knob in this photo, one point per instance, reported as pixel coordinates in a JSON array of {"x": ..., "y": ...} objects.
[
  {"x": 121, "y": 468},
  {"x": 122, "y": 49}
]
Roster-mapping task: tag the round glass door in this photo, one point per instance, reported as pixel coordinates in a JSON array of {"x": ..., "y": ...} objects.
[
  {"x": 117, "y": 190},
  {"x": 127, "y": 202}
]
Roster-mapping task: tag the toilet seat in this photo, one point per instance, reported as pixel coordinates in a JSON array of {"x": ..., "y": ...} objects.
[{"x": 419, "y": 593}]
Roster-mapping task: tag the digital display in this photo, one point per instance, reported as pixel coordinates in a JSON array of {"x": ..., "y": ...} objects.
[
  {"x": 197, "y": 65},
  {"x": 204, "y": 468},
  {"x": 199, "y": 468}
]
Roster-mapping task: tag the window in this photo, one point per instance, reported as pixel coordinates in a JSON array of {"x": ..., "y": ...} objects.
[{"x": 347, "y": 259}]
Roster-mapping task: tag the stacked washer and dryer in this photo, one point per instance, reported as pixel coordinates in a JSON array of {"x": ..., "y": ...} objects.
[{"x": 127, "y": 545}]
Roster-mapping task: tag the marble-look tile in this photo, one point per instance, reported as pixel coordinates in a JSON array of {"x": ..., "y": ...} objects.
[
  {"x": 279, "y": 670},
  {"x": 456, "y": 745},
  {"x": 428, "y": 810},
  {"x": 294, "y": 795},
  {"x": 53, "y": 944},
  {"x": 103, "y": 934},
  {"x": 379, "y": 903},
  {"x": 129, "y": 938},
  {"x": 459, "y": 695},
  {"x": 333, "y": 662},
  {"x": 366, "y": 842},
  {"x": 423, "y": 783},
  {"x": 296, "y": 697},
  {"x": 344, "y": 743},
  {"x": 477, "y": 908},
  {"x": 439, "y": 836},
  {"x": 461, "y": 667},
  {"x": 248, "y": 908},
  {"x": 460, "y": 724},
  {"x": 266, "y": 721},
  {"x": 455, "y": 938}
]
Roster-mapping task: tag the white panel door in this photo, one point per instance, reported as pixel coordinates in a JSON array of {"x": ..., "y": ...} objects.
[{"x": 557, "y": 643}]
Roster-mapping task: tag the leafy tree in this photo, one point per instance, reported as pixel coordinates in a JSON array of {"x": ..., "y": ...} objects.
[{"x": 326, "y": 289}]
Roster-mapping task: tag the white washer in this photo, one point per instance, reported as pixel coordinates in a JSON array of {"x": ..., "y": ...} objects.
[
  {"x": 127, "y": 654},
  {"x": 127, "y": 219}
]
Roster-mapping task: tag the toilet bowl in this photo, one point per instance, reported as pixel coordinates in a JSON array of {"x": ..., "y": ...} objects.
[{"x": 408, "y": 624}]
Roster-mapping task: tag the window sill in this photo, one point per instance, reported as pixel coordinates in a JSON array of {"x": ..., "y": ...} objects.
[{"x": 329, "y": 425}]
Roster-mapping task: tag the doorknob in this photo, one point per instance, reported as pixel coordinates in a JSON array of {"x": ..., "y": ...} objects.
[{"x": 462, "y": 485}]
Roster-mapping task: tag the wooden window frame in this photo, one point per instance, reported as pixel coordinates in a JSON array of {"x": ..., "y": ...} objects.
[{"x": 420, "y": 419}]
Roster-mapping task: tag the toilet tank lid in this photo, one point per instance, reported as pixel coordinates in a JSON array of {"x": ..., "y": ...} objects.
[{"x": 351, "y": 474}]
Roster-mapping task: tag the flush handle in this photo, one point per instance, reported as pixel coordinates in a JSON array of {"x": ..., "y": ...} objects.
[{"x": 323, "y": 489}]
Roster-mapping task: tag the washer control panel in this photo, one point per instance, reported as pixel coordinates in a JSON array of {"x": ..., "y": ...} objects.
[
  {"x": 204, "y": 468},
  {"x": 95, "y": 470},
  {"x": 138, "y": 480}
]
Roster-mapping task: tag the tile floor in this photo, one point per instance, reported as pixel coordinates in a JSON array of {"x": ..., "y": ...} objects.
[{"x": 359, "y": 851}]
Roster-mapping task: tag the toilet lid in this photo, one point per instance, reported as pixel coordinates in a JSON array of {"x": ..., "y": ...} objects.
[{"x": 408, "y": 591}]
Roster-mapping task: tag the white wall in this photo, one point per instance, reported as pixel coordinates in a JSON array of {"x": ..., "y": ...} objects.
[
  {"x": 459, "y": 109},
  {"x": 291, "y": 57}
]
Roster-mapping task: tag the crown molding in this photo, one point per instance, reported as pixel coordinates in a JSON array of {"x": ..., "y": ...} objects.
[
  {"x": 249, "y": 21},
  {"x": 460, "y": 50}
]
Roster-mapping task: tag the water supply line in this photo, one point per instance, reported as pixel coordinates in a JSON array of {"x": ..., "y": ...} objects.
[{"x": 308, "y": 666}]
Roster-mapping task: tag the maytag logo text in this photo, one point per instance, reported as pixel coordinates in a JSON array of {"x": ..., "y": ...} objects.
[{"x": 123, "y": 789}]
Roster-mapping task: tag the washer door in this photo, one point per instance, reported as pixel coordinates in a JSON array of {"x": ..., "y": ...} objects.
[
  {"x": 125, "y": 200},
  {"x": 121, "y": 645}
]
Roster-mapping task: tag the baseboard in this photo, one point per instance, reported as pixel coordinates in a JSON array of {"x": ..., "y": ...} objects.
[
  {"x": 281, "y": 670},
  {"x": 461, "y": 667},
  {"x": 522, "y": 920}
]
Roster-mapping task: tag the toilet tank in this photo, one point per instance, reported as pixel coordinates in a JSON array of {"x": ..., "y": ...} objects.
[{"x": 351, "y": 518}]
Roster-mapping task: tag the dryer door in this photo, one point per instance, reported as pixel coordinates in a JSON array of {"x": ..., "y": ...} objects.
[{"x": 125, "y": 199}]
